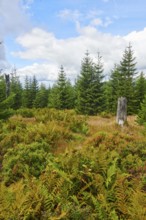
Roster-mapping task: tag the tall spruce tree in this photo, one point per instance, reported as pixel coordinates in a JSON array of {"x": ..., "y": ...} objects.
[
  {"x": 41, "y": 99},
  {"x": 53, "y": 99},
  {"x": 30, "y": 91},
  {"x": 16, "y": 88},
  {"x": 26, "y": 98},
  {"x": 113, "y": 90},
  {"x": 97, "y": 86},
  {"x": 33, "y": 90},
  {"x": 127, "y": 70},
  {"x": 6, "y": 103},
  {"x": 62, "y": 93},
  {"x": 89, "y": 86},
  {"x": 84, "y": 86}
]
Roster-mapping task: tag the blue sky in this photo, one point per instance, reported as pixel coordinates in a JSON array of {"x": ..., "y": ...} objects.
[
  {"x": 125, "y": 16},
  {"x": 41, "y": 35}
]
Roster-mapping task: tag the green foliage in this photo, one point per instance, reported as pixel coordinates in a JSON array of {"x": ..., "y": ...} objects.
[
  {"x": 5, "y": 107},
  {"x": 2, "y": 88},
  {"x": 103, "y": 177},
  {"x": 6, "y": 104},
  {"x": 102, "y": 180},
  {"x": 141, "y": 119},
  {"x": 111, "y": 173},
  {"x": 91, "y": 95},
  {"x": 113, "y": 90},
  {"x": 29, "y": 158},
  {"x": 122, "y": 83},
  {"x": 25, "y": 112},
  {"x": 89, "y": 87},
  {"x": 62, "y": 93},
  {"x": 53, "y": 166},
  {"x": 29, "y": 92},
  {"x": 32, "y": 128},
  {"x": 16, "y": 88},
  {"x": 140, "y": 90},
  {"x": 127, "y": 71},
  {"x": 105, "y": 115},
  {"x": 41, "y": 100},
  {"x": 97, "y": 85}
]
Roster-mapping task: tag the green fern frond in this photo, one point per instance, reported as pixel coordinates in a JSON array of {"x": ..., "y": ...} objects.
[{"x": 111, "y": 172}]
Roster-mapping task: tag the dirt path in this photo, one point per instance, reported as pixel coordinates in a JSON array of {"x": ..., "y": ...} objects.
[
  {"x": 107, "y": 122},
  {"x": 98, "y": 121}
]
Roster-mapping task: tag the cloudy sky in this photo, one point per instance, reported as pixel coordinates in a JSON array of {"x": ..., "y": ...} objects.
[{"x": 38, "y": 36}]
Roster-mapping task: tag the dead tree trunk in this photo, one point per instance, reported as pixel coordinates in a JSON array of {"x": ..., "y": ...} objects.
[
  {"x": 121, "y": 111},
  {"x": 7, "y": 78}
]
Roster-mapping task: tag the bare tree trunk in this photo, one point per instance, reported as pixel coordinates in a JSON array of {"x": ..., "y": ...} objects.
[
  {"x": 7, "y": 78},
  {"x": 121, "y": 111}
]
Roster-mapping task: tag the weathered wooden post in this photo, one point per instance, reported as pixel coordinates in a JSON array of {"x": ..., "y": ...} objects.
[
  {"x": 121, "y": 111},
  {"x": 7, "y": 78}
]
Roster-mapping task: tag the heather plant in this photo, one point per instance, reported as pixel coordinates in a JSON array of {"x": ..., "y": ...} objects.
[
  {"x": 25, "y": 112},
  {"x": 79, "y": 185},
  {"x": 30, "y": 158}
]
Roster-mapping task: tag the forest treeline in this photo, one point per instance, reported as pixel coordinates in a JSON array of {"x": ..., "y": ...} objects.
[
  {"x": 91, "y": 94},
  {"x": 55, "y": 164}
]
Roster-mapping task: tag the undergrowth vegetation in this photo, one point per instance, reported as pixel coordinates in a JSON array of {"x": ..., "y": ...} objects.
[{"x": 59, "y": 165}]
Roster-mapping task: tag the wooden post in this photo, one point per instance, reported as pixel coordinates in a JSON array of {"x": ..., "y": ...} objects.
[
  {"x": 121, "y": 111},
  {"x": 7, "y": 78}
]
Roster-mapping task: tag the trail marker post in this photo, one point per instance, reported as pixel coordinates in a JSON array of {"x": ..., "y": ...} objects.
[{"x": 121, "y": 111}]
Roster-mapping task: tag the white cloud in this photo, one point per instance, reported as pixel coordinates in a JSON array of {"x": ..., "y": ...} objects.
[
  {"x": 138, "y": 40},
  {"x": 12, "y": 17},
  {"x": 3, "y": 63},
  {"x": 96, "y": 22},
  {"x": 99, "y": 22},
  {"x": 68, "y": 14},
  {"x": 44, "y": 71},
  {"x": 42, "y": 45},
  {"x": 13, "y": 20},
  {"x": 91, "y": 16},
  {"x": 2, "y": 51}
]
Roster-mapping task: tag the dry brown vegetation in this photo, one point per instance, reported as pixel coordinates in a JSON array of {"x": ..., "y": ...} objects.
[{"x": 59, "y": 165}]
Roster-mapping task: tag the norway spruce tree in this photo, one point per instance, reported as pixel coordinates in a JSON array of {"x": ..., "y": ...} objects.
[
  {"x": 53, "y": 99},
  {"x": 97, "y": 86},
  {"x": 89, "y": 86},
  {"x": 16, "y": 88},
  {"x": 112, "y": 90},
  {"x": 26, "y": 97},
  {"x": 141, "y": 119},
  {"x": 41, "y": 99},
  {"x": 62, "y": 93},
  {"x": 140, "y": 90},
  {"x": 33, "y": 90},
  {"x": 84, "y": 86},
  {"x": 29, "y": 92},
  {"x": 127, "y": 70},
  {"x": 6, "y": 103}
]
